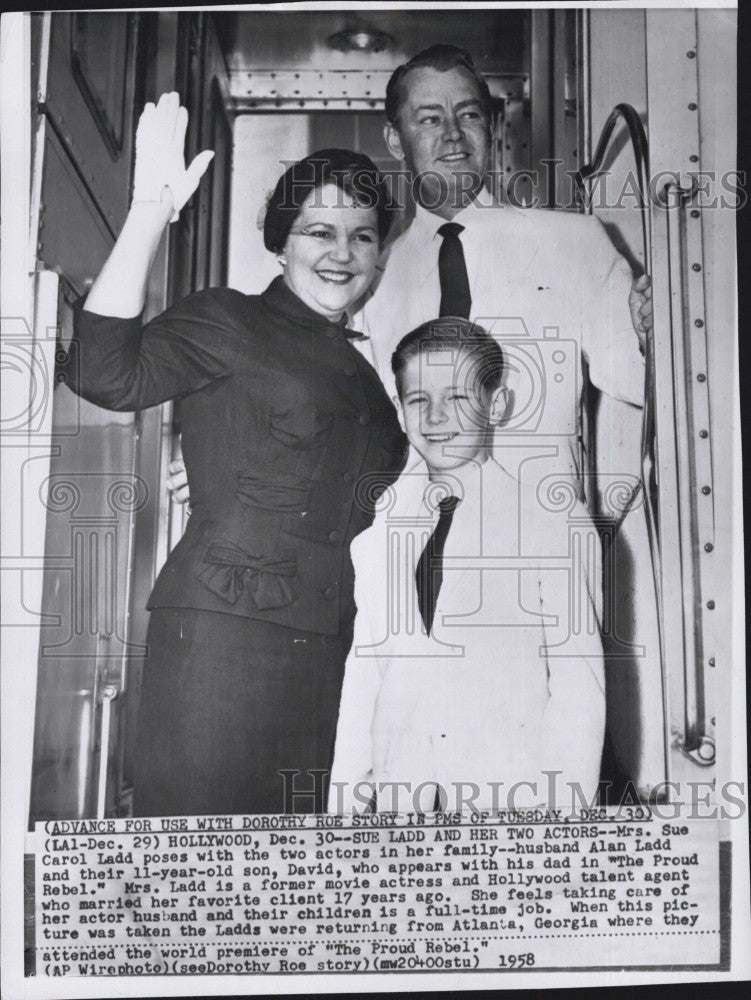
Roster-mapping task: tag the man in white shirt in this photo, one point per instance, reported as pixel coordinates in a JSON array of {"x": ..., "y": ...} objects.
[{"x": 548, "y": 285}]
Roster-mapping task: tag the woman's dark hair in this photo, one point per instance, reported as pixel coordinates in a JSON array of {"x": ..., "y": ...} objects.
[
  {"x": 353, "y": 173},
  {"x": 453, "y": 333},
  {"x": 441, "y": 58}
]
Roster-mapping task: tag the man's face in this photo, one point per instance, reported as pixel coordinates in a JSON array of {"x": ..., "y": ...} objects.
[
  {"x": 443, "y": 134},
  {"x": 447, "y": 416}
]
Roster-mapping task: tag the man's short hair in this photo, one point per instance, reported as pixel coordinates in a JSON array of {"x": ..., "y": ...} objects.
[
  {"x": 441, "y": 58},
  {"x": 453, "y": 333}
]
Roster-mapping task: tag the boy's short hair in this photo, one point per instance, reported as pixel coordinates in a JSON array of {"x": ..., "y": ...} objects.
[{"x": 452, "y": 333}]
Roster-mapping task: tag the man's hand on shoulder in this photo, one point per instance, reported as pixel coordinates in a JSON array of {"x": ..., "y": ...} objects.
[{"x": 177, "y": 482}]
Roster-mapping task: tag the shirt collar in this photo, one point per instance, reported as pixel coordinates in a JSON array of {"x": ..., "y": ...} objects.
[
  {"x": 281, "y": 300},
  {"x": 426, "y": 224},
  {"x": 467, "y": 489}
]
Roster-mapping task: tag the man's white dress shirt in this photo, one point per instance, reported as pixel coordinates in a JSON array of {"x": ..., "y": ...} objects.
[{"x": 552, "y": 290}]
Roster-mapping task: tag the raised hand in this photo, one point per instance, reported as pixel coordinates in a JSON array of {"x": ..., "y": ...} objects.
[{"x": 160, "y": 170}]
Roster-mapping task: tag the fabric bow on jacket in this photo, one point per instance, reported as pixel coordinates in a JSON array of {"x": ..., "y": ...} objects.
[{"x": 225, "y": 576}]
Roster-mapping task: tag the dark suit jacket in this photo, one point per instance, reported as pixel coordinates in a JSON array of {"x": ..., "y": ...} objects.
[{"x": 284, "y": 427}]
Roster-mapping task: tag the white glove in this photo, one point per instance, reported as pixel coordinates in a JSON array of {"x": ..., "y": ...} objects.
[{"x": 160, "y": 156}]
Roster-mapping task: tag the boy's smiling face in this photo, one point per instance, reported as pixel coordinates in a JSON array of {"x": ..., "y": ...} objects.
[{"x": 447, "y": 415}]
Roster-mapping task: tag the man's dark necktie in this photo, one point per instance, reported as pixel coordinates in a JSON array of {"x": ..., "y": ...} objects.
[
  {"x": 429, "y": 573},
  {"x": 452, "y": 271}
]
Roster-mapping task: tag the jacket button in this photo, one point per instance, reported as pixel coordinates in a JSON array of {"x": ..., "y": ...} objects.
[
  {"x": 364, "y": 419},
  {"x": 335, "y": 535},
  {"x": 330, "y": 593}
]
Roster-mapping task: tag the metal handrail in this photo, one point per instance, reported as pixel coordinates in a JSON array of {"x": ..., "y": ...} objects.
[
  {"x": 648, "y": 480},
  {"x": 638, "y": 136},
  {"x": 109, "y": 694},
  {"x": 648, "y": 484}
]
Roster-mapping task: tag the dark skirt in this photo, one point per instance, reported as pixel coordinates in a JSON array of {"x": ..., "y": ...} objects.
[{"x": 227, "y": 705}]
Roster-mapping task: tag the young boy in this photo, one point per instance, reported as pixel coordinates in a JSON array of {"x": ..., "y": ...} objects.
[{"x": 476, "y": 665}]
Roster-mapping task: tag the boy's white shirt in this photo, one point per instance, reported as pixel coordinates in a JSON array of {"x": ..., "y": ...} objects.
[{"x": 474, "y": 701}]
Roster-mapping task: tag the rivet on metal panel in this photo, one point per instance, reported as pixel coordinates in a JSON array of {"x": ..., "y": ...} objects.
[
  {"x": 692, "y": 106},
  {"x": 699, "y": 322},
  {"x": 703, "y": 434},
  {"x": 61, "y": 377},
  {"x": 710, "y": 605},
  {"x": 711, "y": 661},
  {"x": 706, "y": 490},
  {"x": 694, "y": 158},
  {"x": 691, "y": 54},
  {"x": 696, "y": 267},
  {"x": 701, "y": 377},
  {"x": 695, "y": 213},
  {"x": 40, "y": 245},
  {"x": 709, "y": 547}
]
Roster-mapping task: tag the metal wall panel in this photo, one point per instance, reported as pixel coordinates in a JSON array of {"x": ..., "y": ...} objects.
[
  {"x": 692, "y": 132},
  {"x": 88, "y": 97},
  {"x": 91, "y": 498},
  {"x": 73, "y": 238},
  {"x": 716, "y": 40}
]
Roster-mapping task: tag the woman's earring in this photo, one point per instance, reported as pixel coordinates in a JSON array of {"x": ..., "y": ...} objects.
[{"x": 282, "y": 259}]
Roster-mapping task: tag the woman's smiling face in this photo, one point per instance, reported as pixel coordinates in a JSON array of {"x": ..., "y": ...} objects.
[{"x": 331, "y": 251}]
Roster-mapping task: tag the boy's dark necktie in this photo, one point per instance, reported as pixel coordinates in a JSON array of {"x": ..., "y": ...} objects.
[
  {"x": 429, "y": 572},
  {"x": 452, "y": 271}
]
